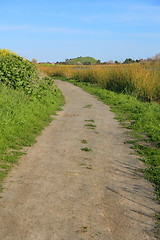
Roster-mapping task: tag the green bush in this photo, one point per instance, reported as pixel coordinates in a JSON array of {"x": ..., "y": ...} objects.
[{"x": 17, "y": 72}]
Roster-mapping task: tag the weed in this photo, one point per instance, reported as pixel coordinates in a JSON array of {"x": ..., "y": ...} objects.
[
  {"x": 83, "y": 229},
  {"x": 90, "y": 120},
  {"x": 87, "y": 159},
  {"x": 88, "y": 106},
  {"x": 84, "y": 141},
  {"x": 86, "y": 149},
  {"x": 86, "y": 166},
  {"x": 89, "y": 167},
  {"x": 90, "y": 126}
]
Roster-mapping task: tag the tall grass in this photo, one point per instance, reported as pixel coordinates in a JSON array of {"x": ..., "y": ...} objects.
[{"x": 133, "y": 79}]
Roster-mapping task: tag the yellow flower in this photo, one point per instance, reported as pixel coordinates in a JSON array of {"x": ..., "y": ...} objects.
[{"x": 5, "y": 52}]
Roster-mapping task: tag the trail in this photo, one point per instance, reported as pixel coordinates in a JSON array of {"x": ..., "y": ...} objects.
[{"x": 60, "y": 192}]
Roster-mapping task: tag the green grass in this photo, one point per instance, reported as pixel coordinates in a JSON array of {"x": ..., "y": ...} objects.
[
  {"x": 90, "y": 125},
  {"x": 84, "y": 141},
  {"x": 22, "y": 119},
  {"x": 86, "y": 149},
  {"x": 90, "y": 120}
]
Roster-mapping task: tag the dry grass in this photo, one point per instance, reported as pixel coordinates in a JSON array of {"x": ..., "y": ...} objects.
[{"x": 134, "y": 79}]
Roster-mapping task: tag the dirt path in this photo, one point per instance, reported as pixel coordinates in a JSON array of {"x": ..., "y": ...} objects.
[{"x": 59, "y": 192}]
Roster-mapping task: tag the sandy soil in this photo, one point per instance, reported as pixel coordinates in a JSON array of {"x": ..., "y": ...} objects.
[{"x": 59, "y": 192}]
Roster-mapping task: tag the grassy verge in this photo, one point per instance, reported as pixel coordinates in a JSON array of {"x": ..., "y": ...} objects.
[
  {"x": 143, "y": 120},
  {"x": 22, "y": 117}
]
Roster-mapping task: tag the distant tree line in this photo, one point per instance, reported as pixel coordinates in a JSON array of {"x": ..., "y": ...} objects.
[{"x": 152, "y": 60}]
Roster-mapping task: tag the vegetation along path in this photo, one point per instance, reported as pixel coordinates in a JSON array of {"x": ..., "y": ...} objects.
[{"x": 79, "y": 181}]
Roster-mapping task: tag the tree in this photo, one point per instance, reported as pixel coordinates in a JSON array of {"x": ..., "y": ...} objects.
[
  {"x": 98, "y": 61},
  {"x": 157, "y": 57},
  {"x": 34, "y": 60},
  {"x": 110, "y": 62},
  {"x": 128, "y": 60}
]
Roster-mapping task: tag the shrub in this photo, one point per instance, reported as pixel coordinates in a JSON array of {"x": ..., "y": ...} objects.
[{"x": 17, "y": 72}]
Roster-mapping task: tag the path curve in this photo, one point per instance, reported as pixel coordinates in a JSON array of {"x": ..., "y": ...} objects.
[{"x": 59, "y": 192}]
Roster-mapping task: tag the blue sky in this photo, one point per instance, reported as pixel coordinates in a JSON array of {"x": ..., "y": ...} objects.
[{"x": 55, "y": 30}]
